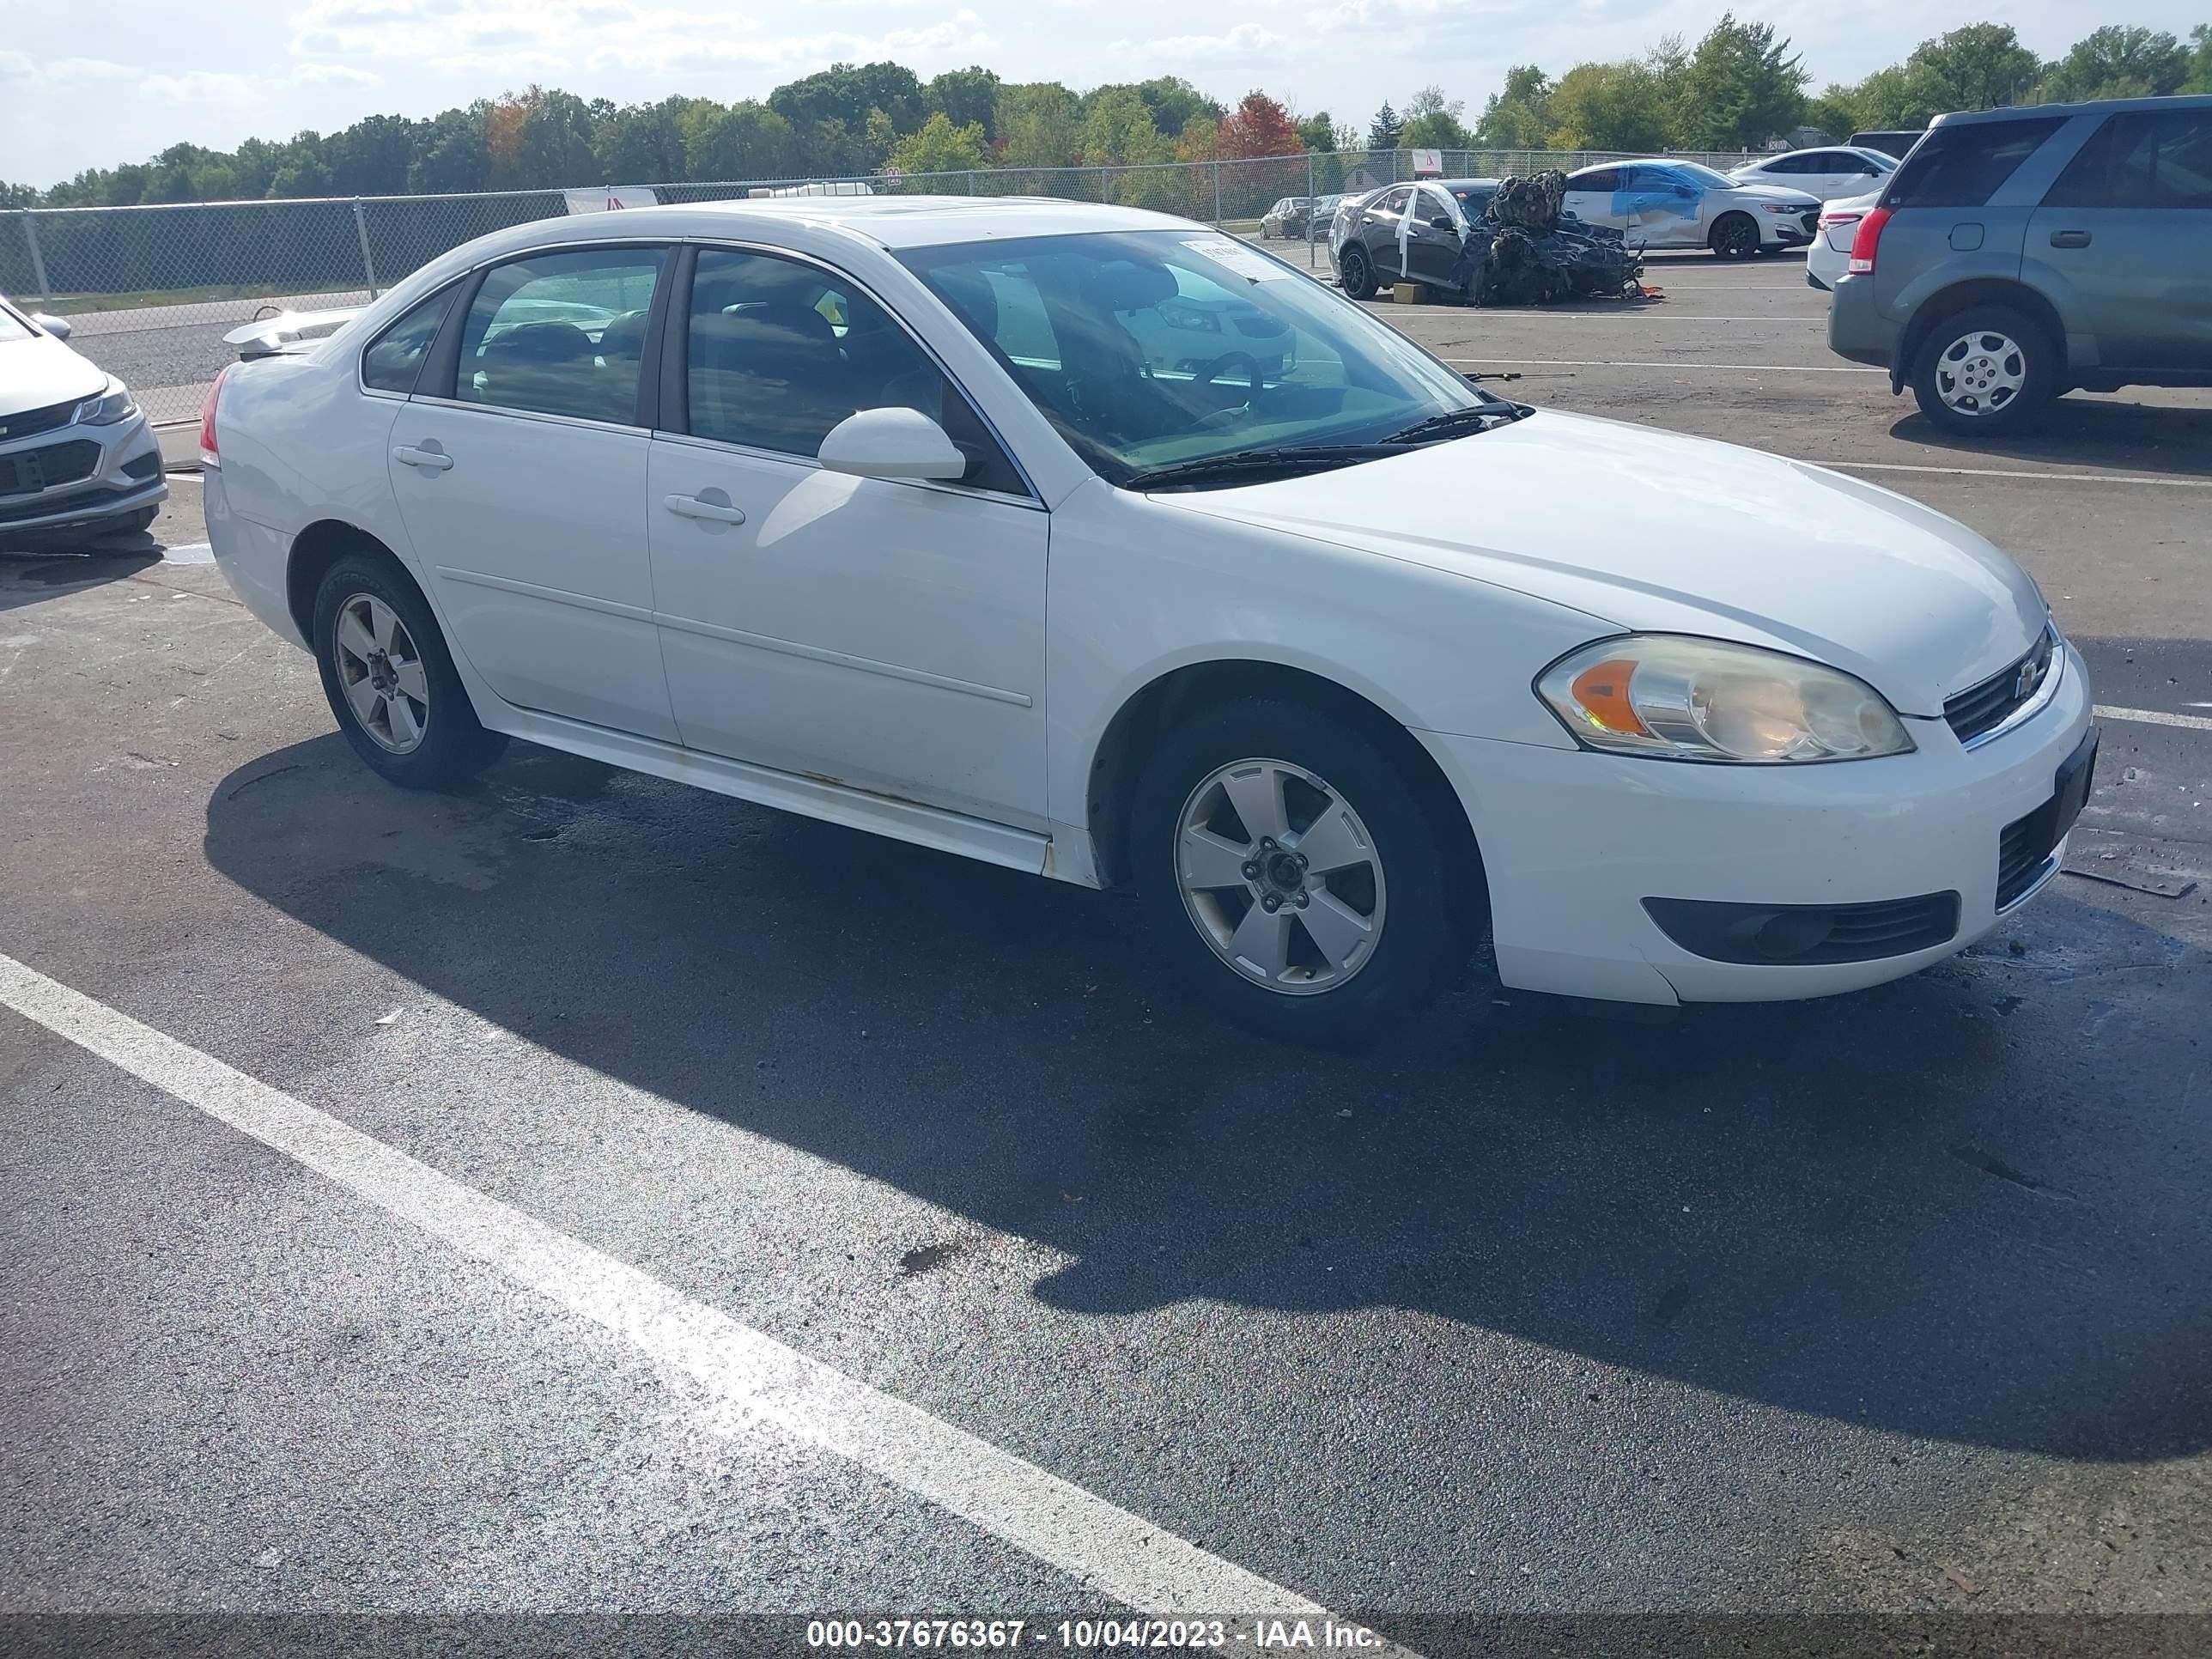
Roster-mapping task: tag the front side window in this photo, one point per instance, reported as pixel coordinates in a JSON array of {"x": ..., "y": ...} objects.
[
  {"x": 395, "y": 357},
  {"x": 1963, "y": 165},
  {"x": 562, "y": 334},
  {"x": 1150, "y": 348},
  {"x": 2142, "y": 160},
  {"x": 778, "y": 351}
]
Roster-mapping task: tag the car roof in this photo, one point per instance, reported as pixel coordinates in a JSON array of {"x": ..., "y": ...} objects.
[
  {"x": 2094, "y": 106},
  {"x": 1815, "y": 149},
  {"x": 891, "y": 222},
  {"x": 1464, "y": 184}
]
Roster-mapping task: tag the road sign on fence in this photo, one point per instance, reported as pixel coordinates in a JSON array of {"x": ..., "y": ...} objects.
[{"x": 1428, "y": 164}]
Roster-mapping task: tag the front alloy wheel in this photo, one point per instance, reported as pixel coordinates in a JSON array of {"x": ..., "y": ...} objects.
[
  {"x": 1280, "y": 877},
  {"x": 1295, "y": 875}
]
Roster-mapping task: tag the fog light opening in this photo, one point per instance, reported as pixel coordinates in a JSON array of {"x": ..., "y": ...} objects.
[{"x": 1784, "y": 935}]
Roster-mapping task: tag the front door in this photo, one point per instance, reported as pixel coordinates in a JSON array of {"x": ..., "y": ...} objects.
[
  {"x": 2125, "y": 238},
  {"x": 522, "y": 484},
  {"x": 884, "y": 635},
  {"x": 1430, "y": 252}
]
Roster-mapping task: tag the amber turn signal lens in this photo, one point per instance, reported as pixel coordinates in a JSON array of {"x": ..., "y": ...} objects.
[{"x": 1602, "y": 690}]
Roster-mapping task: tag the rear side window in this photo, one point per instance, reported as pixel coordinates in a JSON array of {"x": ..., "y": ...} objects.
[
  {"x": 1605, "y": 181},
  {"x": 562, "y": 334},
  {"x": 2142, "y": 160},
  {"x": 1963, "y": 166},
  {"x": 395, "y": 357}
]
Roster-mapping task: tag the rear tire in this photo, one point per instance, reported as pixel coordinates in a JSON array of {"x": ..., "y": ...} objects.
[
  {"x": 1327, "y": 950},
  {"x": 390, "y": 680},
  {"x": 1735, "y": 236},
  {"x": 1355, "y": 274},
  {"x": 1990, "y": 370}
]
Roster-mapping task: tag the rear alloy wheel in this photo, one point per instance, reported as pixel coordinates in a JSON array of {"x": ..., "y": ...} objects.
[
  {"x": 1292, "y": 874},
  {"x": 1735, "y": 237},
  {"x": 1986, "y": 370},
  {"x": 390, "y": 680},
  {"x": 1355, "y": 274}
]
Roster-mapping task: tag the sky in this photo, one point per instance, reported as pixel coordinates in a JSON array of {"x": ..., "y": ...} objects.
[{"x": 114, "y": 81}]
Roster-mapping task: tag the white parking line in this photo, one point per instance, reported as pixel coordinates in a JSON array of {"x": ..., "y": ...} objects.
[
  {"x": 752, "y": 1377},
  {"x": 2155, "y": 717},
  {"x": 1998, "y": 472},
  {"x": 1599, "y": 363}
]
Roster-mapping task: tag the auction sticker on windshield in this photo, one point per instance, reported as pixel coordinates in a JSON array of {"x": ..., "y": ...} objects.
[{"x": 1241, "y": 259}]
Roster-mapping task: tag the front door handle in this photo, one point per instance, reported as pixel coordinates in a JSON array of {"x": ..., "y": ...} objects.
[
  {"x": 430, "y": 460},
  {"x": 692, "y": 506},
  {"x": 2069, "y": 239}
]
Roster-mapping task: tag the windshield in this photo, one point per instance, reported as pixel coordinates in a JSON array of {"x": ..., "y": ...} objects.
[
  {"x": 1151, "y": 348},
  {"x": 1704, "y": 175}
]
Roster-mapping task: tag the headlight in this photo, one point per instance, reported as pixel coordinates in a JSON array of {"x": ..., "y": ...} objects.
[
  {"x": 114, "y": 404},
  {"x": 1676, "y": 697},
  {"x": 1781, "y": 207}
]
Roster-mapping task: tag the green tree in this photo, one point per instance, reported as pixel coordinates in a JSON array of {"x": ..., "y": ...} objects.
[
  {"x": 1432, "y": 122},
  {"x": 941, "y": 147},
  {"x": 1383, "y": 132},
  {"x": 1609, "y": 107},
  {"x": 454, "y": 151},
  {"x": 372, "y": 156},
  {"x": 1174, "y": 103},
  {"x": 2118, "y": 61},
  {"x": 1040, "y": 125},
  {"x": 640, "y": 143},
  {"x": 1742, "y": 87},
  {"x": 966, "y": 98},
  {"x": 2200, "y": 59},
  {"x": 1980, "y": 66},
  {"x": 1118, "y": 131},
  {"x": 846, "y": 91},
  {"x": 736, "y": 140},
  {"x": 1518, "y": 116}
]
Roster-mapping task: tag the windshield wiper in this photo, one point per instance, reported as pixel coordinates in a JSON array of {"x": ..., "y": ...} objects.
[
  {"x": 1480, "y": 418},
  {"x": 1249, "y": 464}
]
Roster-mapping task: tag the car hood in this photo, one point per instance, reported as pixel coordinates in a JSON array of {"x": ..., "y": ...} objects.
[
  {"x": 40, "y": 371},
  {"x": 1654, "y": 532}
]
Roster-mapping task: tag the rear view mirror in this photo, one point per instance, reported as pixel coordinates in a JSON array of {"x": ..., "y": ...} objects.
[
  {"x": 54, "y": 326},
  {"x": 892, "y": 443}
]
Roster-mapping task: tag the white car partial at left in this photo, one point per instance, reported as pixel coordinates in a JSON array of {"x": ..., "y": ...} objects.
[
  {"x": 1684, "y": 204},
  {"x": 1098, "y": 544},
  {"x": 76, "y": 452}
]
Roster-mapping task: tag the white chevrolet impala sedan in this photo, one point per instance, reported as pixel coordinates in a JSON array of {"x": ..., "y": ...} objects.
[{"x": 1094, "y": 544}]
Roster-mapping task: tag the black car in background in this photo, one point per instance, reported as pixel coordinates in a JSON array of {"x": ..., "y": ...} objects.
[
  {"x": 1287, "y": 219},
  {"x": 1896, "y": 144},
  {"x": 1426, "y": 220}
]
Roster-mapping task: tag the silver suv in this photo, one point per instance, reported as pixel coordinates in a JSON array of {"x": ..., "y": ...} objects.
[{"x": 2020, "y": 254}]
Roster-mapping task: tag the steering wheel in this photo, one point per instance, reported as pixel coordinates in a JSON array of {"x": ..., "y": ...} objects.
[{"x": 1207, "y": 373}]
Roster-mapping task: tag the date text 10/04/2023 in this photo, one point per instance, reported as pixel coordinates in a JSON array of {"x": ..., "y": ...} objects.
[{"x": 1091, "y": 1635}]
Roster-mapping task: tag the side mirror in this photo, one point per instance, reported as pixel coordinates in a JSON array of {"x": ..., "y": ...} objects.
[
  {"x": 57, "y": 326},
  {"x": 892, "y": 443},
  {"x": 1442, "y": 222}
]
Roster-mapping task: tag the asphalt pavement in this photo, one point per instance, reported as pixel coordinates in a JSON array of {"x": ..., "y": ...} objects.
[{"x": 1891, "y": 1305}]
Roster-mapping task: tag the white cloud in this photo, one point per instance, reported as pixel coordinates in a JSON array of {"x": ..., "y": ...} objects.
[
  {"x": 319, "y": 75},
  {"x": 1244, "y": 42}
]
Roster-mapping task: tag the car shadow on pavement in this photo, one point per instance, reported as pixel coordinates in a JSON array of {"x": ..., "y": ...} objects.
[
  {"x": 2083, "y": 430},
  {"x": 29, "y": 573},
  {"x": 1968, "y": 1207}
]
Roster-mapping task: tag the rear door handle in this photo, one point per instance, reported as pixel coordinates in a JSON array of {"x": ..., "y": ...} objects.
[
  {"x": 690, "y": 507},
  {"x": 430, "y": 460},
  {"x": 2069, "y": 239}
]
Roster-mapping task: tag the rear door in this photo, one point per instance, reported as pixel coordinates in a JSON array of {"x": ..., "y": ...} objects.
[
  {"x": 520, "y": 472},
  {"x": 1591, "y": 196},
  {"x": 2123, "y": 243}
]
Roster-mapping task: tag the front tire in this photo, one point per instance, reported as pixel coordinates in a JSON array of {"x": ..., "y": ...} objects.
[
  {"x": 1355, "y": 274},
  {"x": 1735, "y": 236},
  {"x": 390, "y": 680},
  {"x": 1988, "y": 370},
  {"x": 1291, "y": 874}
]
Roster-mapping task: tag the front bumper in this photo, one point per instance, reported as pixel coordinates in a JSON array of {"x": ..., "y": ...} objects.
[
  {"x": 75, "y": 476},
  {"x": 1574, "y": 842}
]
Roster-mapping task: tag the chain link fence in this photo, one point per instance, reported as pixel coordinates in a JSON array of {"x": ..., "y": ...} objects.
[{"x": 150, "y": 291}]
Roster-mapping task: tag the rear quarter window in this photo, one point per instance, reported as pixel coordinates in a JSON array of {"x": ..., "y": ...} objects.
[{"x": 1963, "y": 166}]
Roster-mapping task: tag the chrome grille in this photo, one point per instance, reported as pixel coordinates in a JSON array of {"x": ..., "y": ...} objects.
[{"x": 1983, "y": 707}]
